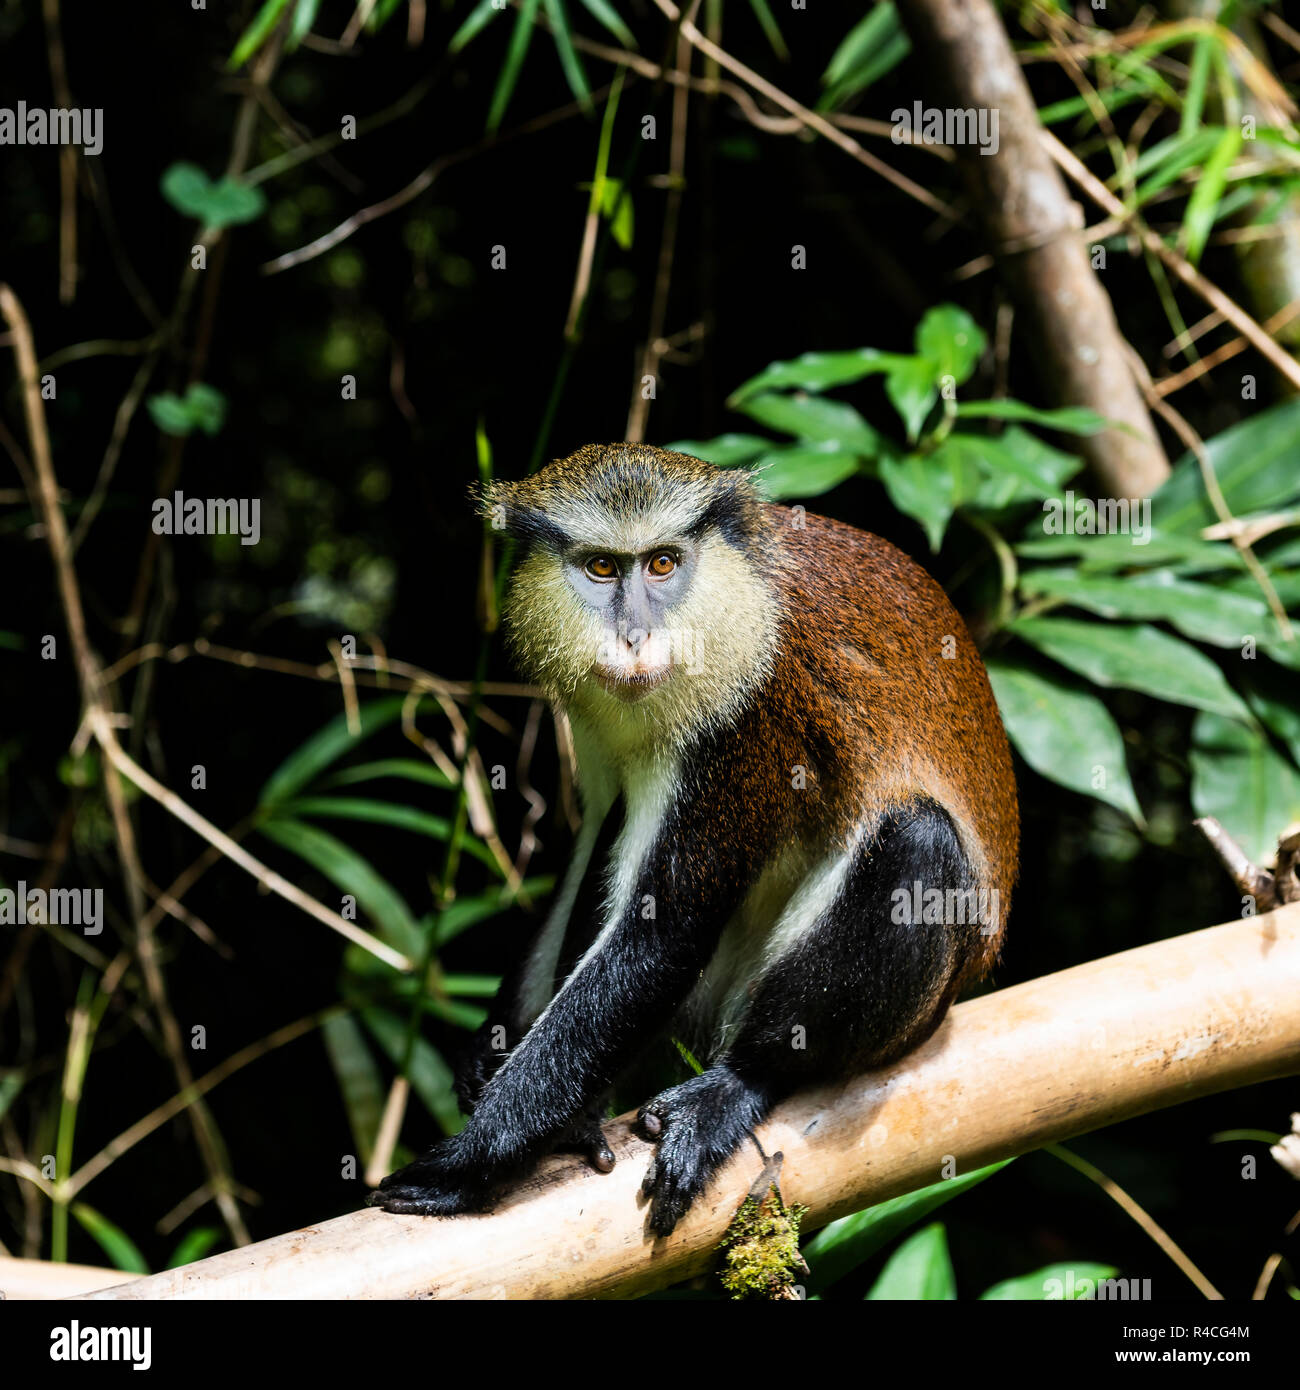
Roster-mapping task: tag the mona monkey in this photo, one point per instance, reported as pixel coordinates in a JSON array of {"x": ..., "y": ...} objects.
[{"x": 786, "y": 743}]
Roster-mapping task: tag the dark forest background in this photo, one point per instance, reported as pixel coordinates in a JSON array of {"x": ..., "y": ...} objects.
[{"x": 367, "y": 530}]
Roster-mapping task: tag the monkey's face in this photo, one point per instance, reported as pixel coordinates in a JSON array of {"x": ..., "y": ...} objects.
[{"x": 640, "y": 601}]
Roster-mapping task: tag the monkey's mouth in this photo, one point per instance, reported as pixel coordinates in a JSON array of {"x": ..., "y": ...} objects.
[{"x": 630, "y": 682}]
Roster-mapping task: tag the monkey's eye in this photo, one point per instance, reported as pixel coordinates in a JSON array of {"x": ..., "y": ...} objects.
[
  {"x": 601, "y": 567},
  {"x": 662, "y": 565}
]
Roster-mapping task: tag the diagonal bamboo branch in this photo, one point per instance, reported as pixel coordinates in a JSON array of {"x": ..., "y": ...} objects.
[{"x": 1005, "y": 1074}]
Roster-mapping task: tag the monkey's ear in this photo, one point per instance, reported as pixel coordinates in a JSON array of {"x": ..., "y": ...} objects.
[
  {"x": 511, "y": 511},
  {"x": 492, "y": 501}
]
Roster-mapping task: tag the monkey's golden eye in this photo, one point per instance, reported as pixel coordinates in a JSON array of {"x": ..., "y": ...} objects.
[
  {"x": 663, "y": 564},
  {"x": 601, "y": 567}
]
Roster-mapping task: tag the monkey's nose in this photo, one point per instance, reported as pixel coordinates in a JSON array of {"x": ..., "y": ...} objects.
[{"x": 635, "y": 638}]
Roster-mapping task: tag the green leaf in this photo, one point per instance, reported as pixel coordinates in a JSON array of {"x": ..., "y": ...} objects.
[
  {"x": 327, "y": 745},
  {"x": 1241, "y": 780},
  {"x": 725, "y": 451},
  {"x": 1136, "y": 657},
  {"x": 478, "y": 19},
  {"x": 360, "y": 1085},
  {"x": 1072, "y": 419},
  {"x": 520, "y": 38},
  {"x": 122, "y": 1251},
  {"x": 464, "y": 913},
  {"x": 842, "y": 1246},
  {"x": 1038, "y": 467},
  {"x": 1254, "y": 462},
  {"x": 604, "y": 14},
  {"x": 408, "y": 769},
  {"x": 385, "y": 813},
  {"x": 1203, "y": 612},
  {"x": 351, "y": 874},
  {"x": 818, "y": 371},
  {"x": 10, "y": 1085},
  {"x": 1075, "y": 1281},
  {"x": 919, "y": 1269},
  {"x": 257, "y": 32},
  {"x": 804, "y": 471},
  {"x": 225, "y": 203},
  {"x": 770, "y": 29},
  {"x": 430, "y": 1076},
  {"x": 472, "y": 986},
  {"x": 1271, "y": 697},
  {"x": 304, "y": 16},
  {"x": 194, "y": 1245},
  {"x": 617, "y": 210},
  {"x": 952, "y": 340},
  {"x": 912, "y": 388},
  {"x": 814, "y": 418},
  {"x": 1064, "y": 733},
  {"x": 1202, "y": 206},
  {"x": 925, "y": 487},
  {"x": 1116, "y": 551},
  {"x": 569, "y": 60},
  {"x": 202, "y": 407},
  {"x": 870, "y": 50}
]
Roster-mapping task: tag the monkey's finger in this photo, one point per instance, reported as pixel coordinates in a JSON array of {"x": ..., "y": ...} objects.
[{"x": 649, "y": 1125}]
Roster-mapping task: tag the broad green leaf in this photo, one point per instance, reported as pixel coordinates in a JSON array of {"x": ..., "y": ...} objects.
[
  {"x": 122, "y": 1251},
  {"x": 326, "y": 746},
  {"x": 1064, "y": 732},
  {"x": 1240, "y": 779},
  {"x": 1136, "y": 657},
  {"x": 351, "y": 874},
  {"x": 924, "y": 487},
  {"x": 360, "y": 1084},
  {"x": 813, "y": 418},
  {"x": 842, "y": 1246},
  {"x": 1075, "y": 1281},
  {"x": 1117, "y": 551},
  {"x": 384, "y": 813},
  {"x": 1038, "y": 467},
  {"x": 430, "y": 1076},
  {"x": 919, "y": 1269},
  {"x": 194, "y": 1245},
  {"x": 818, "y": 371},
  {"x": 225, "y": 203},
  {"x": 1255, "y": 463},
  {"x": 725, "y": 451},
  {"x": 1071, "y": 419},
  {"x": 912, "y": 388},
  {"x": 951, "y": 339},
  {"x": 1203, "y": 612},
  {"x": 804, "y": 471},
  {"x": 520, "y": 38},
  {"x": 257, "y": 32},
  {"x": 408, "y": 769}
]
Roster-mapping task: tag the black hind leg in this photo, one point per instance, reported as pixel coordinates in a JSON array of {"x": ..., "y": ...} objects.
[{"x": 863, "y": 985}]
